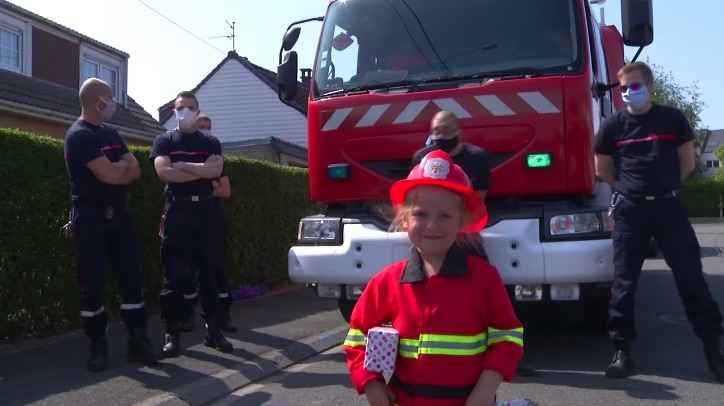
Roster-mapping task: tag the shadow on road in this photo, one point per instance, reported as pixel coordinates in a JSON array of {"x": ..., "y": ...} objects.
[{"x": 273, "y": 323}]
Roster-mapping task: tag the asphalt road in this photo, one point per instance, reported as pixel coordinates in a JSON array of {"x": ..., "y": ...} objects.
[{"x": 669, "y": 359}]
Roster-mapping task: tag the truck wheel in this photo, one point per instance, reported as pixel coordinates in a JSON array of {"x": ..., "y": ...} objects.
[
  {"x": 345, "y": 308},
  {"x": 652, "y": 248},
  {"x": 596, "y": 310}
]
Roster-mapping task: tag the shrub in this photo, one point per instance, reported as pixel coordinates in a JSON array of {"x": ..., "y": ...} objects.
[
  {"x": 38, "y": 289},
  {"x": 701, "y": 197}
]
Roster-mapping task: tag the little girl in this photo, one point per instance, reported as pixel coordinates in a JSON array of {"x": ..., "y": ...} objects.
[{"x": 459, "y": 336}]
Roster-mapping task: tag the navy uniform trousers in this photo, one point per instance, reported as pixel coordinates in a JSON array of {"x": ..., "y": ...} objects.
[
  {"x": 106, "y": 234},
  {"x": 190, "y": 292},
  {"x": 665, "y": 218},
  {"x": 189, "y": 235}
]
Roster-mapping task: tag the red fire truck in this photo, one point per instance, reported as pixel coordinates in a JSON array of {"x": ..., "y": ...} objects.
[{"x": 530, "y": 82}]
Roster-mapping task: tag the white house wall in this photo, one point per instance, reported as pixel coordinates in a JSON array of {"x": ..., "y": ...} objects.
[{"x": 243, "y": 107}]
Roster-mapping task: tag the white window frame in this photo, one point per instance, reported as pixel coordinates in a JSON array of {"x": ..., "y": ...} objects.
[
  {"x": 25, "y": 30},
  {"x": 109, "y": 61}
]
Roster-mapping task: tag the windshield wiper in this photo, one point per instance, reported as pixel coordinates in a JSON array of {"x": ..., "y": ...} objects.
[
  {"x": 373, "y": 86},
  {"x": 524, "y": 71}
]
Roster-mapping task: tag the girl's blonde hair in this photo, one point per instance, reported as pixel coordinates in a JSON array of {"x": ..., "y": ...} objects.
[{"x": 404, "y": 211}]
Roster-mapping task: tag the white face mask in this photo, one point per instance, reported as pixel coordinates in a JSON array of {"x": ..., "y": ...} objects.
[
  {"x": 109, "y": 110},
  {"x": 636, "y": 99},
  {"x": 186, "y": 118}
]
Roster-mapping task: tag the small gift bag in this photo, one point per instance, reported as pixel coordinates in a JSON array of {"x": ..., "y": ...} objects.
[{"x": 381, "y": 350}]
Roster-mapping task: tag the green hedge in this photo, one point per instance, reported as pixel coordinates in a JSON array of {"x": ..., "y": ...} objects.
[
  {"x": 701, "y": 197},
  {"x": 38, "y": 291}
]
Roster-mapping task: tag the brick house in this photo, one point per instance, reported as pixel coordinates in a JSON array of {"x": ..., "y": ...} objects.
[
  {"x": 248, "y": 118},
  {"x": 42, "y": 65}
]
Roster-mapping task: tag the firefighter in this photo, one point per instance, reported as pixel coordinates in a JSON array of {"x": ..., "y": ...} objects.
[
  {"x": 445, "y": 135},
  {"x": 187, "y": 161},
  {"x": 100, "y": 167},
  {"x": 644, "y": 152},
  {"x": 222, "y": 189},
  {"x": 459, "y": 336}
]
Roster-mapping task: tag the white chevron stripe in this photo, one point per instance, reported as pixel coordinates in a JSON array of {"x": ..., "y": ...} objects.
[
  {"x": 539, "y": 102},
  {"x": 337, "y": 118},
  {"x": 372, "y": 115},
  {"x": 411, "y": 111},
  {"x": 452, "y": 106},
  {"x": 494, "y": 105}
]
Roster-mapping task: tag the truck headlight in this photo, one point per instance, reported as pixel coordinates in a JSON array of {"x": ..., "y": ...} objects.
[
  {"x": 575, "y": 223},
  {"x": 319, "y": 231}
]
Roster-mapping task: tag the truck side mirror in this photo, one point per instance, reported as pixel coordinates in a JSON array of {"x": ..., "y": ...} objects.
[
  {"x": 290, "y": 38},
  {"x": 637, "y": 18},
  {"x": 287, "y": 77}
]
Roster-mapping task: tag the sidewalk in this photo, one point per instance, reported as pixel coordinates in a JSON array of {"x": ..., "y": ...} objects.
[{"x": 275, "y": 331}]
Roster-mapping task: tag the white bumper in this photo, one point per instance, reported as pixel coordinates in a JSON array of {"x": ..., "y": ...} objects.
[{"x": 514, "y": 248}]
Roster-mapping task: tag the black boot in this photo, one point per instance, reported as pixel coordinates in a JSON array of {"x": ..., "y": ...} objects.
[
  {"x": 714, "y": 352},
  {"x": 98, "y": 358},
  {"x": 215, "y": 339},
  {"x": 622, "y": 363},
  {"x": 139, "y": 346},
  {"x": 172, "y": 342},
  {"x": 226, "y": 324}
]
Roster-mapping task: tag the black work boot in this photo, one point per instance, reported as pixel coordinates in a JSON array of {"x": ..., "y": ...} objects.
[
  {"x": 98, "y": 358},
  {"x": 215, "y": 339},
  {"x": 226, "y": 324},
  {"x": 622, "y": 363},
  {"x": 172, "y": 342},
  {"x": 139, "y": 346},
  {"x": 714, "y": 352}
]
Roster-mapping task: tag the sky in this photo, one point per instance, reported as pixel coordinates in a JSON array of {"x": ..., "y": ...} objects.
[{"x": 174, "y": 51}]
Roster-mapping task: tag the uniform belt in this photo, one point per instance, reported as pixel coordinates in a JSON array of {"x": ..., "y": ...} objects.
[
  {"x": 650, "y": 197},
  {"x": 198, "y": 198},
  {"x": 432, "y": 391}
]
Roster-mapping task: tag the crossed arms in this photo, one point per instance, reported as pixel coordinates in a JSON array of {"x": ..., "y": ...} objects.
[{"x": 181, "y": 172}]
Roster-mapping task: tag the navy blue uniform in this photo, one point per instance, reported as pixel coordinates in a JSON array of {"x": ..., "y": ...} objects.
[
  {"x": 474, "y": 161},
  {"x": 104, "y": 229},
  {"x": 646, "y": 168},
  {"x": 190, "y": 234}
]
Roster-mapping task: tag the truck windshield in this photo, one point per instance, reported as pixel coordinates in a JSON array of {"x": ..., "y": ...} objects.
[{"x": 377, "y": 43}]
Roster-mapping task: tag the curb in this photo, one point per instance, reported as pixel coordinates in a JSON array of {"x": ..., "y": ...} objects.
[{"x": 216, "y": 386}]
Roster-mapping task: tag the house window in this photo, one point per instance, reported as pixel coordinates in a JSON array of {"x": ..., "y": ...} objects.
[
  {"x": 106, "y": 67},
  {"x": 15, "y": 37},
  {"x": 712, "y": 164},
  {"x": 96, "y": 69},
  {"x": 10, "y": 50}
]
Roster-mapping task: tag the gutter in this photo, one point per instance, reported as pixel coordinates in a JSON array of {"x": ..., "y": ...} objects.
[{"x": 61, "y": 118}]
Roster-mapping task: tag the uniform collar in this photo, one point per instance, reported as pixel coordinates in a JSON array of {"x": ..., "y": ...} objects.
[{"x": 454, "y": 264}]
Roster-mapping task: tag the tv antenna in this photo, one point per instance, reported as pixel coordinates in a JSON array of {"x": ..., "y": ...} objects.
[{"x": 231, "y": 36}]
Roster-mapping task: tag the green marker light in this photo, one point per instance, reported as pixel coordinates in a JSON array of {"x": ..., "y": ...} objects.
[{"x": 541, "y": 160}]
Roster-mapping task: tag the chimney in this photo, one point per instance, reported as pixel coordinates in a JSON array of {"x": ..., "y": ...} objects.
[{"x": 306, "y": 76}]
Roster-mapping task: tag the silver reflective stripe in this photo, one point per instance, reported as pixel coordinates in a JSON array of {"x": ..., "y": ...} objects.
[
  {"x": 132, "y": 306},
  {"x": 505, "y": 333},
  {"x": 223, "y": 295},
  {"x": 191, "y": 296},
  {"x": 408, "y": 348},
  {"x": 92, "y": 314},
  {"x": 454, "y": 346}
]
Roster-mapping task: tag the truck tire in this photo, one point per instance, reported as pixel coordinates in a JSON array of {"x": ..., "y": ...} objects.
[
  {"x": 596, "y": 312},
  {"x": 652, "y": 248},
  {"x": 345, "y": 308}
]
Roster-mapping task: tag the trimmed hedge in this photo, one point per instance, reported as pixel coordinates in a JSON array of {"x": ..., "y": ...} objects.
[
  {"x": 701, "y": 197},
  {"x": 38, "y": 290}
]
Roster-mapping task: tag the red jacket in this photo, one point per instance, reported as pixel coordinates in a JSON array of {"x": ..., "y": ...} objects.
[{"x": 466, "y": 303}]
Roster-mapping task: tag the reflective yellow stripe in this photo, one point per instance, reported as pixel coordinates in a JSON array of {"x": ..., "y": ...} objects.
[
  {"x": 446, "y": 344},
  {"x": 355, "y": 338},
  {"x": 514, "y": 336}
]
